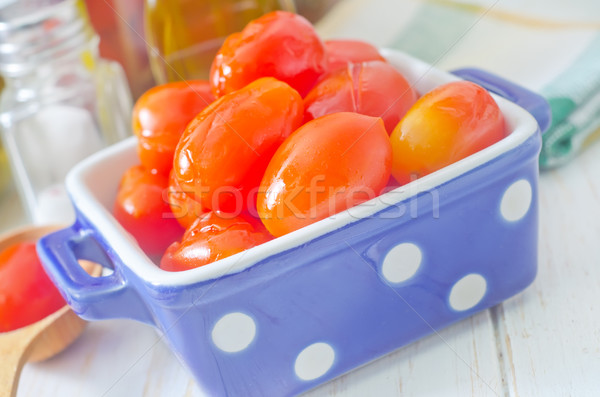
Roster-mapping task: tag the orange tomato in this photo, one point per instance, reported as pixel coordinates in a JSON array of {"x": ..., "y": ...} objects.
[
  {"x": 144, "y": 212},
  {"x": 210, "y": 238},
  {"x": 224, "y": 151},
  {"x": 279, "y": 44},
  {"x": 447, "y": 124},
  {"x": 26, "y": 293},
  {"x": 328, "y": 165},
  {"x": 161, "y": 114},
  {"x": 372, "y": 88},
  {"x": 342, "y": 52}
]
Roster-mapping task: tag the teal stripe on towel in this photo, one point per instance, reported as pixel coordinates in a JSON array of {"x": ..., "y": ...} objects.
[{"x": 433, "y": 31}]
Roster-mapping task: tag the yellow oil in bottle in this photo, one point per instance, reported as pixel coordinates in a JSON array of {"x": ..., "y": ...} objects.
[{"x": 185, "y": 35}]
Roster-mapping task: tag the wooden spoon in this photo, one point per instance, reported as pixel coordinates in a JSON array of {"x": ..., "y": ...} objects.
[{"x": 43, "y": 339}]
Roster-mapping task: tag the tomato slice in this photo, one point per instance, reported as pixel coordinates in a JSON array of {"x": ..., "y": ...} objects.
[{"x": 26, "y": 293}]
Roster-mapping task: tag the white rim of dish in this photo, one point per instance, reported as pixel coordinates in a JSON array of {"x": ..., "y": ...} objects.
[{"x": 424, "y": 77}]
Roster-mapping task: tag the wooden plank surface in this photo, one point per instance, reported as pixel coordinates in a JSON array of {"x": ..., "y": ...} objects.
[
  {"x": 460, "y": 361},
  {"x": 122, "y": 358},
  {"x": 112, "y": 358},
  {"x": 550, "y": 335}
]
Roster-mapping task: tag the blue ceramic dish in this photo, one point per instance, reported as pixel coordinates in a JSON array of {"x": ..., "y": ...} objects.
[{"x": 285, "y": 316}]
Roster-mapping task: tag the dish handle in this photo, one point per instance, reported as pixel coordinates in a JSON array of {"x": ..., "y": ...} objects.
[
  {"x": 534, "y": 103},
  {"x": 92, "y": 298}
]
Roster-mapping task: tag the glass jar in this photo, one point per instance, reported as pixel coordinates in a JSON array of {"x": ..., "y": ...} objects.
[
  {"x": 184, "y": 35},
  {"x": 60, "y": 103}
]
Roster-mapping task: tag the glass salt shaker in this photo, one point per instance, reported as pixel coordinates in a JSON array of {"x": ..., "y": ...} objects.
[{"x": 61, "y": 102}]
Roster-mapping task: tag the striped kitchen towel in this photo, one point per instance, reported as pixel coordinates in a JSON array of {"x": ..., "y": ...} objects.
[{"x": 549, "y": 46}]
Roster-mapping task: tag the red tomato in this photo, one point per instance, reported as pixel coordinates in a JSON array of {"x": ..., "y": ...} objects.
[
  {"x": 224, "y": 151},
  {"x": 185, "y": 209},
  {"x": 144, "y": 212},
  {"x": 213, "y": 237},
  {"x": 161, "y": 114},
  {"x": 279, "y": 44},
  {"x": 328, "y": 165},
  {"x": 342, "y": 52},
  {"x": 372, "y": 88},
  {"x": 445, "y": 125},
  {"x": 26, "y": 293}
]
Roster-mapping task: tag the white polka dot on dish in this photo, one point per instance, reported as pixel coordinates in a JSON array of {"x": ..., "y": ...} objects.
[
  {"x": 467, "y": 292},
  {"x": 516, "y": 200},
  {"x": 314, "y": 361},
  {"x": 401, "y": 262},
  {"x": 234, "y": 332}
]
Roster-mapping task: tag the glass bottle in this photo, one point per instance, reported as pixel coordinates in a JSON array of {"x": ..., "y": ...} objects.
[
  {"x": 120, "y": 25},
  {"x": 184, "y": 35},
  {"x": 61, "y": 102}
]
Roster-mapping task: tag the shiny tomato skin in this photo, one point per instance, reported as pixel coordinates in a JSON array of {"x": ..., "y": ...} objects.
[
  {"x": 143, "y": 210},
  {"x": 279, "y": 44},
  {"x": 224, "y": 151},
  {"x": 342, "y": 52},
  {"x": 328, "y": 165},
  {"x": 372, "y": 88},
  {"x": 26, "y": 293},
  {"x": 185, "y": 209},
  {"x": 447, "y": 124},
  {"x": 161, "y": 114},
  {"x": 210, "y": 238}
]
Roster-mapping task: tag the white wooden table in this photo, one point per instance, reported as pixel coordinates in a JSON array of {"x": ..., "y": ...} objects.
[{"x": 544, "y": 342}]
